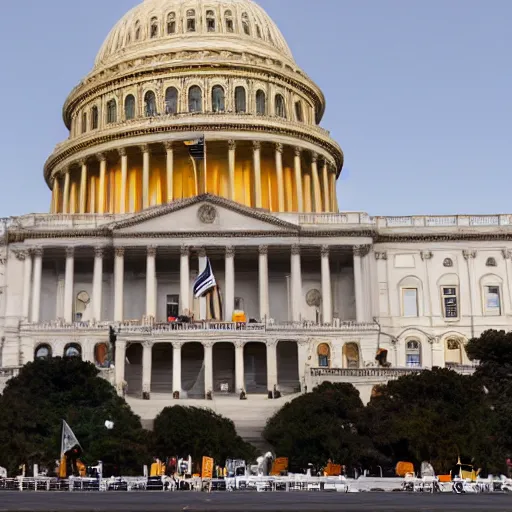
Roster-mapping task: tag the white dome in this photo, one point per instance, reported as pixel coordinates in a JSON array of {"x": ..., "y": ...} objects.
[{"x": 157, "y": 26}]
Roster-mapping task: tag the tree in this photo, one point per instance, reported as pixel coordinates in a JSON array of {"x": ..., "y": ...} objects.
[
  {"x": 319, "y": 426},
  {"x": 44, "y": 393},
  {"x": 198, "y": 432},
  {"x": 434, "y": 416}
]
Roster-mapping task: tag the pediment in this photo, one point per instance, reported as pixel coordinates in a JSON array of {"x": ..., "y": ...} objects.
[{"x": 207, "y": 215}]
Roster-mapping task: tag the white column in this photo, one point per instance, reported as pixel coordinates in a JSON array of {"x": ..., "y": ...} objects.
[
  {"x": 325, "y": 187},
  {"x": 271, "y": 365},
  {"x": 151, "y": 283},
  {"x": 120, "y": 364},
  {"x": 474, "y": 292},
  {"x": 326, "y": 286},
  {"x": 176, "y": 368},
  {"x": 298, "y": 180},
  {"x": 239, "y": 366},
  {"x": 332, "y": 190},
  {"x": 280, "y": 177},
  {"x": 119, "y": 284},
  {"x": 145, "y": 175},
  {"x": 83, "y": 187},
  {"x": 97, "y": 284},
  {"x": 65, "y": 198},
  {"x": 68, "y": 285},
  {"x": 296, "y": 284},
  {"x": 103, "y": 183},
  {"x": 317, "y": 194},
  {"x": 36, "y": 283},
  {"x": 124, "y": 179},
  {"x": 201, "y": 266},
  {"x": 208, "y": 367},
  {"x": 263, "y": 282},
  {"x": 27, "y": 282},
  {"x": 257, "y": 174},
  {"x": 367, "y": 287},
  {"x": 359, "y": 251},
  {"x": 146, "y": 366},
  {"x": 426, "y": 256},
  {"x": 185, "y": 281},
  {"x": 230, "y": 284},
  {"x": 507, "y": 292},
  {"x": 170, "y": 171},
  {"x": 231, "y": 168}
]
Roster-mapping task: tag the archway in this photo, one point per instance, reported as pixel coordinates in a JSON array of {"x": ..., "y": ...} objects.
[
  {"x": 350, "y": 355},
  {"x": 288, "y": 367},
  {"x": 43, "y": 352},
  {"x": 224, "y": 368},
  {"x": 73, "y": 350},
  {"x": 133, "y": 369},
  {"x": 103, "y": 355},
  {"x": 255, "y": 367},
  {"x": 161, "y": 368},
  {"x": 453, "y": 354},
  {"x": 192, "y": 370}
]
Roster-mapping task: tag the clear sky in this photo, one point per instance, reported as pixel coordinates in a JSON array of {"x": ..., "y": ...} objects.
[{"x": 419, "y": 95}]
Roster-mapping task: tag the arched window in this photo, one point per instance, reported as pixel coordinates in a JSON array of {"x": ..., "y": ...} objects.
[
  {"x": 43, "y": 352},
  {"x": 245, "y": 24},
  {"x": 103, "y": 355},
  {"x": 350, "y": 355},
  {"x": 280, "y": 107},
  {"x": 448, "y": 262},
  {"x": 240, "y": 100},
  {"x": 299, "y": 114},
  {"x": 171, "y": 23},
  {"x": 171, "y": 100},
  {"x": 153, "y": 29},
  {"x": 261, "y": 103},
  {"x": 258, "y": 31},
  {"x": 228, "y": 17},
  {"x": 191, "y": 20},
  {"x": 73, "y": 350},
  {"x": 413, "y": 354},
  {"x": 195, "y": 99},
  {"x": 453, "y": 352},
  {"x": 94, "y": 117},
  {"x": 111, "y": 111},
  {"x": 218, "y": 99},
  {"x": 129, "y": 107},
  {"x": 210, "y": 21},
  {"x": 83, "y": 301},
  {"x": 84, "y": 122},
  {"x": 137, "y": 31},
  {"x": 150, "y": 104},
  {"x": 491, "y": 262},
  {"x": 324, "y": 355}
]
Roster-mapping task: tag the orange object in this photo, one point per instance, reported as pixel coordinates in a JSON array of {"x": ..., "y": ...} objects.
[
  {"x": 402, "y": 468},
  {"x": 444, "y": 478},
  {"x": 207, "y": 468},
  {"x": 332, "y": 469},
  {"x": 279, "y": 466},
  {"x": 239, "y": 317}
]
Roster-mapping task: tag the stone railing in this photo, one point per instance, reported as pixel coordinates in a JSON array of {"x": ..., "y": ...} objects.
[
  {"x": 62, "y": 326},
  {"x": 389, "y": 373},
  {"x": 6, "y": 374},
  {"x": 443, "y": 221},
  {"x": 335, "y": 218},
  {"x": 85, "y": 221}
]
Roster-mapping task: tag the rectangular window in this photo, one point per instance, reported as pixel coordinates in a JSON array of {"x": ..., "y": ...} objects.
[
  {"x": 173, "y": 307},
  {"x": 410, "y": 301},
  {"x": 450, "y": 302},
  {"x": 492, "y": 300},
  {"x": 413, "y": 360},
  {"x": 191, "y": 25}
]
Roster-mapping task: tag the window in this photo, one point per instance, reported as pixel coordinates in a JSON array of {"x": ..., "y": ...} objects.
[
  {"x": 453, "y": 352},
  {"x": 150, "y": 104},
  {"x": 258, "y": 31},
  {"x": 261, "y": 107},
  {"x": 82, "y": 303},
  {"x": 173, "y": 307},
  {"x": 137, "y": 31},
  {"x": 492, "y": 300},
  {"x": 210, "y": 21},
  {"x": 73, "y": 350},
  {"x": 153, "y": 31},
  {"x": 324, "y": 355},
  {"x": 103, "y": 355},
  {"x": 413, "y": 354},
  {"x": 240, "y": 100},
  {"x": 491, "y": 262},
  {"x": 410, "y": 302},
  {"x": 450, "y": 303},
  {"x": 228, "y": 16},
  {"x": 218, "y": 99},
  {"x": 245, "y": 24},
  {"x": 171, "y": 23},
  {"x": 84, "y": 122},
  {"x": 129, "y": 38},
  {"x": 448, "y": 262},
  {"x": 191, "y": 20},
  {"x": 350, "y": 355},
  {"x": 94, "y": 118},
  {"x": 279, "y": 106},
  {"x": 239, "y": 304},
  {"x": 111, "y": 112},
  {"x": 171, "y": 100},
  {"x": 43, "y": 352},
  {"x": 129, "y": 107},
  {"x": 299, "y": 115},
  {"x": 195, "y": 99}
]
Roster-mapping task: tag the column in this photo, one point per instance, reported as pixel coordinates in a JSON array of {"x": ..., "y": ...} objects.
[
  {"x": 507, "y": 292},
  {"x": 271, "y": 365},
  {"x": 176, "y": 369},
  {"x": 298, "y": 180},
  {"x": 36, "y": 284},
  {"x": 120, "y": 361},
  {"x": 326, "y": 286},
  {"x": 359, "y": 252},
  {"x": 332, "y": 188},
  {"x": 119, "y": 284},
  {"x": 296, "y": 284},
  {"x": 469, "y": 256},
  {"x": 83, "y": 187},
  {"x": 263, "y": 282},
  {"x": 27, "y": 281},
  {"x": 325, "y": 187},
  {"x": 185, "y": 281},
  {"x": 307, "y": 192},
  {"x": 230, "y": 284},
  {"x": 367, "y": 286},
  {"x": 426, "y": 256},
  {"x": 124, "y": 180},
  {"x": 201, "y": 266},
  {"x": 56, "y": 194},
  {"x": 239, "y": 366},
  {"x": 151, "y": 283},
  {"x": 97, "y": 284},
  {"x": 317, "y": 194},
  {"x": 65, "y": 199},
  {"x": 257, "y": 174},
  {"x": 280, "y": 177},
  {"x": 68, "y": 285},
  {"x": 103, "y": 183},
  {"x": 170, "y": 171},
  {"x": 231, "y": 168},
  {"x": 145, "y": 175},
  {"x": 208, "y": 367},
  {"x": 146, "y": 369}
]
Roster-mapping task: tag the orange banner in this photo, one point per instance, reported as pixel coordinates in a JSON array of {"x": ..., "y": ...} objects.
[{"x": 207, "y": 469}]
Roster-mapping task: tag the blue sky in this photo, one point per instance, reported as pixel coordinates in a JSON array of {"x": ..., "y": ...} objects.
[{"x": 419, "y": 95}]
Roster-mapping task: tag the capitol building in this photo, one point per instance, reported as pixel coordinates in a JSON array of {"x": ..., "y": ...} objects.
[{"x": 196, "y": 140}]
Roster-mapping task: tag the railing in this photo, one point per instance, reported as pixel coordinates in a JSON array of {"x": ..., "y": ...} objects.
[
  {"x": 62, "y": 326},
  {"x": 445, "y": 221},
  {"x": 364, "y": 372}
]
